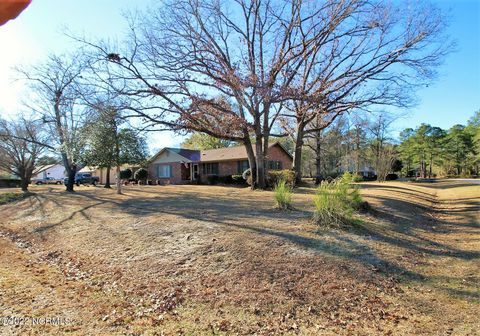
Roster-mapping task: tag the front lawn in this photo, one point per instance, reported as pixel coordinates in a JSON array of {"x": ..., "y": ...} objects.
[{"x": 220, "y": 260}]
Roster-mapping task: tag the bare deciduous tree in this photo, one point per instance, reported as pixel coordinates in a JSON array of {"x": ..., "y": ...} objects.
[
  {"x": 54, "y": 92},
  {"x": 370, "y": 54},
  {"x": 222, "y": 68},
  {"x": 385, "y": 161},
  {"x": 231, "y": 69},
  {"x": 21, "y": 144}
]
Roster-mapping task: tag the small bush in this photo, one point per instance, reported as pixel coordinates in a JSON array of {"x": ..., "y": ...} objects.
[
  {"x": 225, "y": 179},
  {"x": 391, "y": 177},
  {"x": 283, "y": 195},
  {"x": 370, "y": 177},
  {"x": 238, "y": 179},
  {"x": 9, "y": 183},
  {"x": 141, "y": 174},
  {"x": 357, "y": 178},
  {"x": 336, "y": 201},
  {"x": 126, "y": 174},
  {"x": 274, "y": 177},
  {"x": 212, "y": 179},
  {"x": 332, "y": 176}
]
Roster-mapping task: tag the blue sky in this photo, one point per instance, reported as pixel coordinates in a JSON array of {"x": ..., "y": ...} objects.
[
  {"x": 452, "y": 99},
  {"x": 455, "y": 95}
]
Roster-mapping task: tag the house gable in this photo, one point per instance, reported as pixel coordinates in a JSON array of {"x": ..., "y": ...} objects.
[
  {"x": 278, "y": 144},
  {"x": 167, "y": 155},
  {"x": 55, "y": 170}
]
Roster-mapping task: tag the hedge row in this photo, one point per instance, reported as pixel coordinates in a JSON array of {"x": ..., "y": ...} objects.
[
  {"x": 9, "y": 183},
  {"x": 226, "y": 179}
]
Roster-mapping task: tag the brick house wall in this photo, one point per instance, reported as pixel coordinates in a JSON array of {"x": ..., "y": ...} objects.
[
  {"x": 181, "y": 174},
  {"x": 176, "y": 176},
  {"x": 227, "y": 168},
  {"x": 276, "y": 153}
]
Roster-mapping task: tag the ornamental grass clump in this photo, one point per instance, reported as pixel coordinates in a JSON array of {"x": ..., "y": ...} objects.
[
  {"x": 336, "y": 201},
  {"x": 283, "y": 195}
]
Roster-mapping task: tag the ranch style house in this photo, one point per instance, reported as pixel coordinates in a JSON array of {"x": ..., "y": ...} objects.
[{"x": 179, "y": 165}]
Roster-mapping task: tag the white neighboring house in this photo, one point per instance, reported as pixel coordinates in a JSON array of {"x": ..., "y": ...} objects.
[{"x": 55, "y": 171}]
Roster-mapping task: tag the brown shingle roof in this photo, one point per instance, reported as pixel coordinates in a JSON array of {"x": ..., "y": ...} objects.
[
  {"x": 220, "y": 154},
  {"x": 223, "y": 154},
  {"x": 229, "y": 153}
]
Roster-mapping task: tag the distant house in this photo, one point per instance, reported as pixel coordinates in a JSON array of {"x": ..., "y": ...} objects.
[
  {"x": 178, "y": 165},
  {"x": 55, "y": 171},
  {"x": 101, "y": 173}
]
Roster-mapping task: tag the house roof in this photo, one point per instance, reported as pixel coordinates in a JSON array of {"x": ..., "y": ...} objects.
[
  {"x": 43, "y": 168},
  {"x": 231, "y": 153},
  {"x": 190, "y": 154},
  {"x": 219, "y": 154}
]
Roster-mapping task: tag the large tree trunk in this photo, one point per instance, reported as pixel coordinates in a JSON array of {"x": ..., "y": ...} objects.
[
  {"x": 318, "y": 158},
  {"x": 24, "y": 184},
  {"x": 70, "y": 169},
  {"x": 24, "y": 179},
  {"x": 297, "y": 154},
  {"x": 251, "y": 160},
  {"x": 71, "y": 178},
  {"x": 265, "y": 158},
  {"x": 107, "y": 178},
  {"x": 260, "y": 161}
]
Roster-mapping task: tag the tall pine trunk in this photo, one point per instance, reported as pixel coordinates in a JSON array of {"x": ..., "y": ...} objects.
[{"x": 430, "y": 168}]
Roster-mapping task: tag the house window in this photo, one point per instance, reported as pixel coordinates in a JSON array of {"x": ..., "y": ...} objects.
[
  {"x": 210, "y": 168},
  {"x": 164, "y": 171},
  {"x": 275, "y": 165},
  {"x": 242, "y": 166}
]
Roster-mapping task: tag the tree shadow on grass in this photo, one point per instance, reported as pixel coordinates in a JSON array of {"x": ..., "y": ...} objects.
[{"x": 258, "y": 217}]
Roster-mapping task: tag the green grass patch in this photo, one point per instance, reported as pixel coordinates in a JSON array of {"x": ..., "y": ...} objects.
[
  {"x": 282, "y": 195},
  {"x": 12, "y": 197},
  {"x": 336, "y": 201}
]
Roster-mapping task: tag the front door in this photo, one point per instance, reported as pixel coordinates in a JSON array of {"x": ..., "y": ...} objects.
[{"x": 195, "y": 172}]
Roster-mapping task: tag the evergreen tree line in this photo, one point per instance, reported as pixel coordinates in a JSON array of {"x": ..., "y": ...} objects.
[
  {"x": 367, "y": 146},
  {"x": 430, "y": 151}
]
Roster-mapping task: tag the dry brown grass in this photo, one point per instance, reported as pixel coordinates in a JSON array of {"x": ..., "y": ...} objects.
[{"x": 217, "y": 260}]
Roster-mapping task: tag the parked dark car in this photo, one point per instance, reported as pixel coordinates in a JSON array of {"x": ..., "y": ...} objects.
[{"x": 83, "y": 178}]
